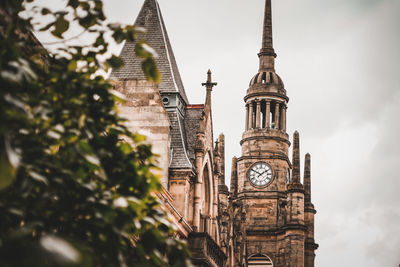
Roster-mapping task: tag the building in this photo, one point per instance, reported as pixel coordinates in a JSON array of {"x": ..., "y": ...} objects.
[{"x": 267, "y": 218}]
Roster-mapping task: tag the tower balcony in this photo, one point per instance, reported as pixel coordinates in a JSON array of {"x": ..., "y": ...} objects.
[{"x": 205, "y": 252}]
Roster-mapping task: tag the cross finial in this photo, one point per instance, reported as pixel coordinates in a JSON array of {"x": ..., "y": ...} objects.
[
  {"x": 209, "y": 84},
  {"x": 217, "y": 142}
]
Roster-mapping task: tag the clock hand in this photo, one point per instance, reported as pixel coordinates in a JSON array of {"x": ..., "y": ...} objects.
[{"x": 257, "y": 172}]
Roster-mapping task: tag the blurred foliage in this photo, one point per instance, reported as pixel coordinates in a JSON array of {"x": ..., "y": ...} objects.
[{"x": 76, "y": 187}]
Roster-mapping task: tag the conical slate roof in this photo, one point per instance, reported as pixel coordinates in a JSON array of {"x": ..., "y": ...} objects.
[{"x": 156, "y": 36}]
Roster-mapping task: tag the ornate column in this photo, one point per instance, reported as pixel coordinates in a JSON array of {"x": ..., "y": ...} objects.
[
  {"x": 197, "y": 190},
  {"x": 247, "y": 117},
  {"x": 276, "y": 115},
  {"x": 268, "y": 114},
  {"x": 251, "y": 116},
  {"x": 258, "y": 113},
  {"x": 283, "y": 117}
]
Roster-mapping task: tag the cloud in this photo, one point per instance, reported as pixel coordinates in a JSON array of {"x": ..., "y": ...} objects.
[{"x": 385, "y": 249}]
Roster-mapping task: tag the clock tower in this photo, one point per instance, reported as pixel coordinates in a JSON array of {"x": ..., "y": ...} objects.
[{"x": 273, "y": 217}]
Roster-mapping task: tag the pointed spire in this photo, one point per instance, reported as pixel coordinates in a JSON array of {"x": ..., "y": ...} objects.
[
  {"x": 267, "y": 53},
  {"x": 221, "y": 139},
  {"x": 307, "y": 178},
  {"x": 296, "y": 159},
  {"x": 234, "y": 179},
  {"x": 209, "y": 86},
  {"x": 267, "y": 31}
]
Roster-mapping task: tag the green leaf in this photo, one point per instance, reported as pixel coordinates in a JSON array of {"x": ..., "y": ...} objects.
[
  {"x": 115, "y": 62},
  {"x": 151, "y": 71},
  {"x": 125, "y": 148},
  {"x": 7, "y": 172},
  {"x": 72, "y": 65},
  {"x": 45, "y": 11},
  {"x": 46, "y": 27},
  {"x": 61, "y": 26},
  {"x": 73, "y": 3}
]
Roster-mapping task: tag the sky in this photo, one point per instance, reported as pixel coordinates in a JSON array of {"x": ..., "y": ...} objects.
[{"x": 340, "y": 62}]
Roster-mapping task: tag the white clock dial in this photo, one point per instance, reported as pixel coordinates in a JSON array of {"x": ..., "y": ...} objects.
[{"x": 260, "y": 174}]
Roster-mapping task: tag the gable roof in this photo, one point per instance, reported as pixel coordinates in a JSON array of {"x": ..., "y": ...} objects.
[
  {"x": 156, "y": 36},
  {"x": 192, "y": 122}
]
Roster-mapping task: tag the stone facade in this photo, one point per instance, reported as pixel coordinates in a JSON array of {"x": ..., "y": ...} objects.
[{"x": 266, "y": 218}]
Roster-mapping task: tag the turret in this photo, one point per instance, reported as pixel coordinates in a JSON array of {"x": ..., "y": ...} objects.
[
  {"x": 295, "y": 181},
  {"x": 234, "y": 178},
  {"x": 307, "y": 179},
  {"x": 295, "y": 188},
  {"x": 309, "y": 213},
  {"x": 221, "y": 141}
]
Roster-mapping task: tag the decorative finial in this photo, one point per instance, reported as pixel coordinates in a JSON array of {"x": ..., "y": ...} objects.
[
  {"x": 209, "y": 84},
  {"x": 307, "y": 178},
  {"x": 234, "y": 179},
  {"x": 296, "y": 158}
]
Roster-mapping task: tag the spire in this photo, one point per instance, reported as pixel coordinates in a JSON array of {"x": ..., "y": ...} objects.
[
  {"x": 221, "y": 139},
  {"x": 307, "y": 178},
  {"x": 209, "y": 86},
  {"x": 150, "y": 18},
  {"x": 296, "y": 158},
  {"x": 267, "y": 31},
  {"x": 267, "y": 53},
  {"x": 234, "y": 180}
]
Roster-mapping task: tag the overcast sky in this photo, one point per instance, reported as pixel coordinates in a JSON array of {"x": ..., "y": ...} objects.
[{"x": 340, "y": 62}]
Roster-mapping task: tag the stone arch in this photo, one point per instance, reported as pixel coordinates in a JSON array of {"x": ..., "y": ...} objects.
[
  {"x": 259, "y": 260},
  {"x": 208, "y": 195},
  {"x": 206, "y": 191}
]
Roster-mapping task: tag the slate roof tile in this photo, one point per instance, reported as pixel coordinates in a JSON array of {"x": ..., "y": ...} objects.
[{"x": 150, "y": 18}]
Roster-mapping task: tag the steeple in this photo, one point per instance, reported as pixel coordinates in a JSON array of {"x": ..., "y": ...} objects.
[
  {"x": 267, "y": 53},
  {"x": 150, "y": 18}
]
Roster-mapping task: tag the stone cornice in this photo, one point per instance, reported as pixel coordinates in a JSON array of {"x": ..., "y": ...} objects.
[
  {"x": 256, "y": 195},
  {"x": 281, "y": 157},
  {"x": 276, "y": 231},
  {"x": 223, "y": 189},
  {"x": 264, "y": 137},
  {"x": 295, "y": 188},
  {"x": 266, "y": 94}
]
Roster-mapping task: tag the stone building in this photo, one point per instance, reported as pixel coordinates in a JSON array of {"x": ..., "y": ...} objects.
[{"x": 266, "y": 218}]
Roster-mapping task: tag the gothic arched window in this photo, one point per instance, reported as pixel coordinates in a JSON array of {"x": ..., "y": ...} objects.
[{"x": 259, "y": 260}]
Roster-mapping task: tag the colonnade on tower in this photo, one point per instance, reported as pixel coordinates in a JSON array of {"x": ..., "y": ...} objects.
[{"x": 265, "y": 113}]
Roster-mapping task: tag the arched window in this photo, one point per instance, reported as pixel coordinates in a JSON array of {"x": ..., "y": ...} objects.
[
  {"x": 206, "y": 202},
  {"x": 259, "y": 260}
]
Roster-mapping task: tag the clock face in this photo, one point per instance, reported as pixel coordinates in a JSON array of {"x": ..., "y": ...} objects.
[{"x": 260, "y": 174}]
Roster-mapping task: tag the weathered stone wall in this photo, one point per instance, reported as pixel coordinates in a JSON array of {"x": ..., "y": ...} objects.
[{"x": 146, "y": 115}]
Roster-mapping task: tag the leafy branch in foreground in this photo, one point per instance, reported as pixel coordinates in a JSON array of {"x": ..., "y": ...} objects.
[{"x": 77, "y": 187}]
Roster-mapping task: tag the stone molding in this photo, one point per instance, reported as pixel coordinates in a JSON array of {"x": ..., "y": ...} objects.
[
  {"x": 276, "y": 138},
  {"x": 282, "y": 97}
]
